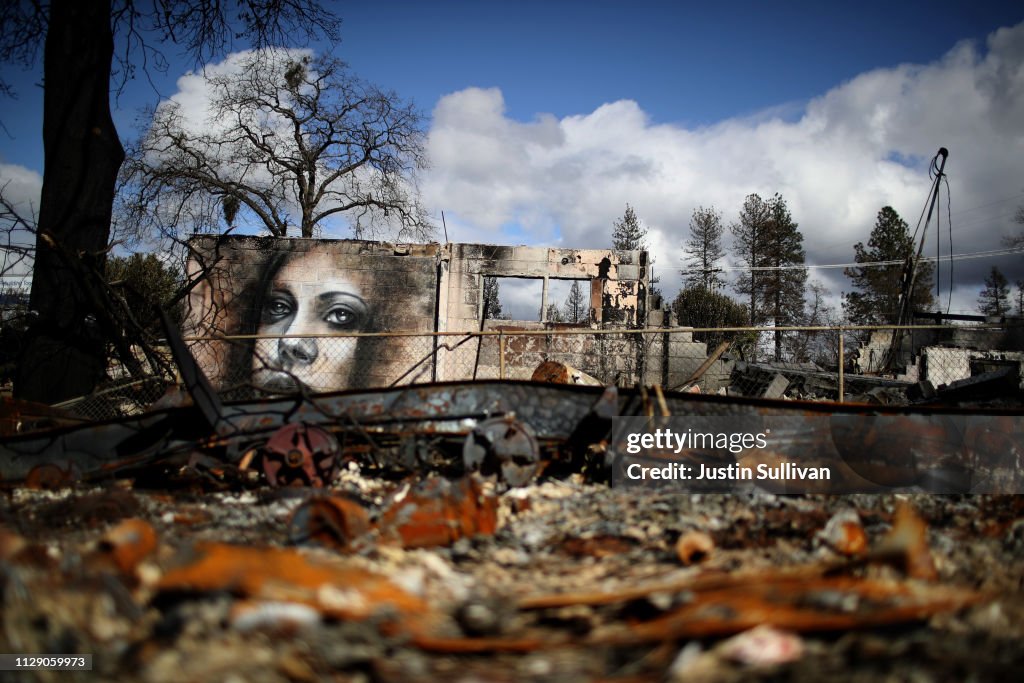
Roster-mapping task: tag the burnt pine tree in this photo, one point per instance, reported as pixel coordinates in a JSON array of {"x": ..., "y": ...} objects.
[
  {"x": 704, "y": 249},
  {"x": 811, "y": 346},
  {"x": 770, "y": 245},
  {"x": 994, "y": 299},
  {"x": 65, "y": 350},
  {"x": 877, "y": 288},
  {"x": 575, "y": 309}
]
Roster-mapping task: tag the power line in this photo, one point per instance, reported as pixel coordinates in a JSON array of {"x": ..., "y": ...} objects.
[
  {"x": 992, "y": 203},
  {"x": 876, "y": 264}
]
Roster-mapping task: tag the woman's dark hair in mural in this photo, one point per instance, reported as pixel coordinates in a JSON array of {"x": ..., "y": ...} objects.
[{"x": 300, "y": 298}]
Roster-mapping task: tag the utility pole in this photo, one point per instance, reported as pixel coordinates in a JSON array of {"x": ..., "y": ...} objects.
[{"x": 910, "y": 267}]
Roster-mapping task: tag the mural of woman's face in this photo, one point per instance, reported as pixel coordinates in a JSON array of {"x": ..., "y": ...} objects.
[{"x": 307, "y": 296}]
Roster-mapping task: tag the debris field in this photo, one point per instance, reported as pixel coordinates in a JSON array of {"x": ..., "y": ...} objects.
[{"x": 466, "y": 544}]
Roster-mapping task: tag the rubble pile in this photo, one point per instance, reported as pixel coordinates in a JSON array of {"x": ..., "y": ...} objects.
[{"x": 471, "y": 532}]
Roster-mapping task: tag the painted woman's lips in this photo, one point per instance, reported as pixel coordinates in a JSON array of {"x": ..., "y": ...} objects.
[{"x": 276, "y": 382}]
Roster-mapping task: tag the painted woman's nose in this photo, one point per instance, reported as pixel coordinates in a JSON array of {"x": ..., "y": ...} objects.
[{"x": 299, "y": 351}]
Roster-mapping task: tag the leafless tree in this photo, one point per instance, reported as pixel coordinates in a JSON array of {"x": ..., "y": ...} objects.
[
  {"x": 994, "y": 299},
  {"x": 816, "y": 346},
  {"x": 17, "y": 238},
  {"x": 289, "y": 141},
  {"x": 64, "y": 355}
]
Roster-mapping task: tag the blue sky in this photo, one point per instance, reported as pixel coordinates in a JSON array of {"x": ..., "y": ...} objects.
[
  {"x": 546, "y": 118},
  {"x": 694, "y": 63}
]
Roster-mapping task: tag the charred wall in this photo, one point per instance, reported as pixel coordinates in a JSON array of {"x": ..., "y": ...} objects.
[
  {"x": 286, "y": 297},
  {"x": 288, "y": 287}
]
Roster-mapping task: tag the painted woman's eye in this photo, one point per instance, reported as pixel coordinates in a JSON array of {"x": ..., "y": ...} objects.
[
  {"x": 277, "y": 308},
  {"x": 341, "y": 316}
]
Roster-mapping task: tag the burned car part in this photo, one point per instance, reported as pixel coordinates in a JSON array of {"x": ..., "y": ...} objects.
[
  {"x": 505, "y": 446},
  {"x": 300, "y": 454}
]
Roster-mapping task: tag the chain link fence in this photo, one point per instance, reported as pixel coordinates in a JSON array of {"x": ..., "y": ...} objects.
[
  {"x": 119, "y": 398},
  {"x": 791, "y": 362},
  {"x": 788, "y": 363}
]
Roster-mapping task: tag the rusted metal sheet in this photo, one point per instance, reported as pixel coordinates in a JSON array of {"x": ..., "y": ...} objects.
[
  {"x": 557, "y": 372},
  {"x": 436, "y": 512},
  {"x": 127, "y": 544},
  {"x": 439, "y": 512},
  {"x": 331, "y": 521},
  {"x": 268, "y": 573}
]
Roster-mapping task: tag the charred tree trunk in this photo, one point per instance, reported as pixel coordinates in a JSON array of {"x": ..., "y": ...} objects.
[{"x": 65, "y": 356}]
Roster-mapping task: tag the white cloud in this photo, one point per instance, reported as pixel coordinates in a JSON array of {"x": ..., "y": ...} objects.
[
  {"x": 21, "y": 188},
  {"x": 194, "y": 94},
  {"x": 213, "y": 129},
  {"x": 862, "y": 145}
]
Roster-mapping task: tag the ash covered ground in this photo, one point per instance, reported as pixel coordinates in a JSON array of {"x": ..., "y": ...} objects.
[{"x": 561, "y": 580}]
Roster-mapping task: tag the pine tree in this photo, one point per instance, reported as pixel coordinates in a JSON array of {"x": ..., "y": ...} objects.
[
  {"x": 751, "y": 233},
  {"x": 995, "y": 298},
  {"x": 783, "y": 285},
  {"x": 492, "y": 302},
  {"x": 147, "y": 284},
  {"x": 553, "y": 314},
  {"x": 1020, "y": 297},
  {"x": 698, "y": 306},
  {"x": 1018, "y": 239},
  {"x": 704, "y": 249},
  {"x": 769, "y": 243},
  {"x": 576, "y": 309},
  {"x": 627, "y": 233},
  {"x": 878, "y": 288}
]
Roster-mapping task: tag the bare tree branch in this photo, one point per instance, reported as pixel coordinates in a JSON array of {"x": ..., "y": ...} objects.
[
  {"x": 22, "y": 26},
  {"x": 293, "y": 141},
  {"x": 17, "y": 233},
  {"x": 65, "y": 350}
]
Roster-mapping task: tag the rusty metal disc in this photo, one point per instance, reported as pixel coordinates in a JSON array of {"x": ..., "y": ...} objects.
[
  {"x": 300, "y": 455},
  {"x": 505, "y": 446}
]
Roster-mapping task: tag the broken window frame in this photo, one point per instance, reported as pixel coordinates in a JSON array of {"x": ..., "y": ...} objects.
[{"x": 543, "y": 315}]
